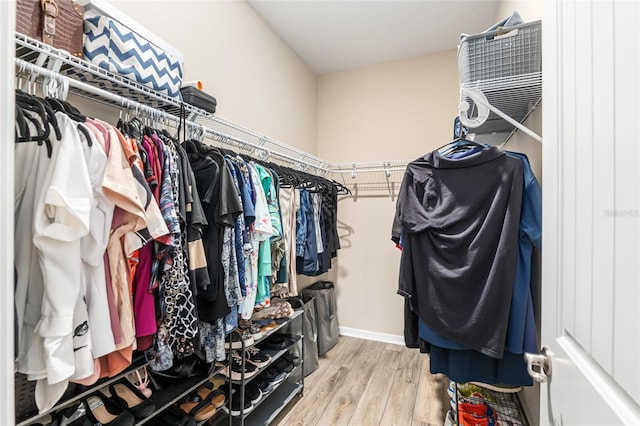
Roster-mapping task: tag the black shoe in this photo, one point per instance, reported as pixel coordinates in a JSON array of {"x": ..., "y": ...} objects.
[
  {"x": 105, "y": 412},
  {"x": 277, "y": 342},
  {"x": 236, "y": 403},
  {"x": 250, "y": 370},
  {"x": 264, "y": 385},
  {"x": 274, "y": 376},
  {"x": 253, "y": 393},
  {"x": 131, "y": 399},
  {"x": 283, "y": 365},
  {"x": 256, "y": 357}
]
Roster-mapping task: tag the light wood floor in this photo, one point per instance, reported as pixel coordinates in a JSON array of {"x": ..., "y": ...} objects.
[{"x": 361, "y": 383}]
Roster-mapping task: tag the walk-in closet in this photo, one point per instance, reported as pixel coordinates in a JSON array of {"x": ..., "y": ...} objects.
[{"x": 275, "y": 212}]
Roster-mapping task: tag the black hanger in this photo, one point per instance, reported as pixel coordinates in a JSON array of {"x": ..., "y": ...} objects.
[
  {"x": 42, "y": 108},
  {"x": 21, "y": 121},
  {"x": 67, "y": 108},
  {"x": 86, "y": 134},
  {"x": 43, "y": 134}
]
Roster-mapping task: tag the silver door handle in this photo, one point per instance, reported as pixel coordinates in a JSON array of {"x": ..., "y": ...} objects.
[{"x": 541, "y": 361}]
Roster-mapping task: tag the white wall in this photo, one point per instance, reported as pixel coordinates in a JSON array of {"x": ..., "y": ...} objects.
[
  {"x": 257, "y": 79},
  {"x": 395, "y": 110}
]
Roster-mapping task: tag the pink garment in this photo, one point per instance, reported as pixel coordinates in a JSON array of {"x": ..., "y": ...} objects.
[
  {"x": 106, "y": 140},
  {"x": 116, "y": 328},
  {"x": 144, "y": 309}
]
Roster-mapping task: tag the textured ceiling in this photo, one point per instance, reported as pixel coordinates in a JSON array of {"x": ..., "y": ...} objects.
[{"x": 334, "y": 36}]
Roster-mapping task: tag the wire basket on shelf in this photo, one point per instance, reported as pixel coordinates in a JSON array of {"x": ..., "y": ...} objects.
[{"x": 508, "y": 51}]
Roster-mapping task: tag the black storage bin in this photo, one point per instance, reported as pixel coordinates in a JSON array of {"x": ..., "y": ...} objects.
[
  {"x": 326, "y": 312},
  {"x": 196, "y": 97},
  {"x": 310, "y": 333}
]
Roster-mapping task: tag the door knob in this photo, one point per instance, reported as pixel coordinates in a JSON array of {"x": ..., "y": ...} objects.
[{"x": 542, "y": 361}]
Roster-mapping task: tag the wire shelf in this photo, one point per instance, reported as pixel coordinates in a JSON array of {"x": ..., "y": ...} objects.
[
  {"x": 516, "y": 96},
  {"x": 479, "y": 403},
  {"x": 30, "y": 50},
  {"x": 92, "y": 82},
  {"x": 112, "y": 89}
]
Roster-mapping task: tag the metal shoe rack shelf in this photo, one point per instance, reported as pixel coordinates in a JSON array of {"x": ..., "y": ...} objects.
[{"x": 271, "y": 404}]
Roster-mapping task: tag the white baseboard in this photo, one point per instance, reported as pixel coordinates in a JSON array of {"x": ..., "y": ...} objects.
[{"x": 371, "y": 335}]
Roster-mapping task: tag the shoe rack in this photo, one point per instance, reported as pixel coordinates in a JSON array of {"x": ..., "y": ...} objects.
[{"x": 271, "y": 404}]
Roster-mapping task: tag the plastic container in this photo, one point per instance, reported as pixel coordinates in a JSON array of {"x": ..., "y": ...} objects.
[
  {"x": 505, "y": 52},
  {"x": 193, "y": 96}
]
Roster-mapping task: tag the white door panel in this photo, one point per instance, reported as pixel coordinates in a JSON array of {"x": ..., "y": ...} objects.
[
  {"x": 626, "y": 350},
  {"x": 574, "y": 378},
  {"x": 591, "y": 212},
  {"x": 603, "y": 173}
]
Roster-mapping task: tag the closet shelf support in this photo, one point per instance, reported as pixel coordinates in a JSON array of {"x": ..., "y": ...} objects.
[{"x": 484, "y": 107}]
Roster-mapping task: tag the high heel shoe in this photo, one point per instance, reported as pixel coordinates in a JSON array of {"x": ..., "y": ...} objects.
[
  {"x": 105, "y": 412},
  {"x": 127, "y": 396},
  {"x": 141, "y": 381}
]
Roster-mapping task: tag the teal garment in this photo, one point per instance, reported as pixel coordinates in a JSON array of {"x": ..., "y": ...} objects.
[
  {"x": 264, "y": 273},
  {"x": 272, "y": 201}
]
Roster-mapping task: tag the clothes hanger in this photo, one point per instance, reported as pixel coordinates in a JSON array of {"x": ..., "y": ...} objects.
[
  {"x": 82, "y": 129},
  {"x": 21, "y": 122},
  {"x": 460, "y": 143},
  {"x": 28, "y": 103},
  {"x": 43, "y": 134},
  {"x": 42, "y": 108}
]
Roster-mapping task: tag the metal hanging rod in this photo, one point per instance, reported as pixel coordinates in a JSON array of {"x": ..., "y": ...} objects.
[
  {"x": 370, "y": 167},
  {"x": 125, "y": 103},
  {"x": 267, "y": 143}
]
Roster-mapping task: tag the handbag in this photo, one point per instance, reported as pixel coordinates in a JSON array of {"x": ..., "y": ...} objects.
[{"x": 55, "y": 22}]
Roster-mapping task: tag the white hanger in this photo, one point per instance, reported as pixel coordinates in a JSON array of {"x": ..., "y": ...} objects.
[{"x": 484, "y": 107}]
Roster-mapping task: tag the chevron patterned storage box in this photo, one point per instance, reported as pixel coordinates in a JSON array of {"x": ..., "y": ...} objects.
[{"x": 118, "y": 49}]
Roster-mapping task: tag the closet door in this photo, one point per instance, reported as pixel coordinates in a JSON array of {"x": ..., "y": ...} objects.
[
  {"x": 7, "y": 96},
  {"x": 591, "y": 212}
]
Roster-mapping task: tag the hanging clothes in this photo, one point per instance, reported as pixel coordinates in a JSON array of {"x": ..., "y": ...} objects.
[
  {"x": 174, "y": 244},
  {"x": 461, "y": 221},
  {"x": 458, "y": 361}
]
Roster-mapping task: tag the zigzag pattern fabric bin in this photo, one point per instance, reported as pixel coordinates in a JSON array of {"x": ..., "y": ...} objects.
[{"x": 116, "y": 48}]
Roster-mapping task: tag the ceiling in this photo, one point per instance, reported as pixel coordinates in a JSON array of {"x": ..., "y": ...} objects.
[{"x": 333, "y": 36}]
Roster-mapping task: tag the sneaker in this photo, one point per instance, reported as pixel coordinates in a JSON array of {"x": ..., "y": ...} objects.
[
  {"x": 250, "y": 370},
  {"x": 237, "y": 408},
  {"x": 253, "y": 328},
  {"x": 257, "y": 357},
  {"x": 264, "y": 385},
  {"x": 256, "y": 332},
  {"x": 237, "y": 337},
  {"x": 283, "y": 365},
  {"x": 274, "y": 376},
  {"x": 253, "y": 393}
]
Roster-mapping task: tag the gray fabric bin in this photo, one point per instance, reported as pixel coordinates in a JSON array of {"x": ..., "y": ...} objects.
[
  {"x": 326, "y": 312},
  {"x": 310, "y": 333}
]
